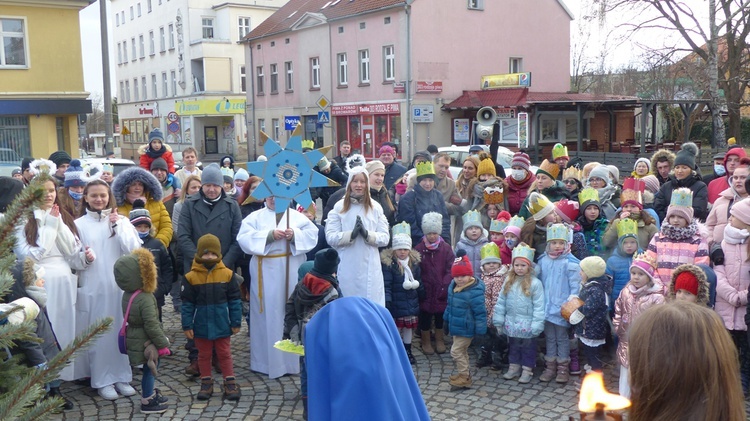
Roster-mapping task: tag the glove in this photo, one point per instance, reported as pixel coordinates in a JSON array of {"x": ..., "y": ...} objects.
[
  {"x": 400, "y": 188},
  {"x": 355, "y": 233},
  {"x": 576, "y": 317},
  {"x": 164, "y": 352},
  {"x": 717, "y": 257}
]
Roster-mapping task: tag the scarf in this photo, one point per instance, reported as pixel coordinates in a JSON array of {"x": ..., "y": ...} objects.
[
  {"x": 356, "y": 199},
  {"x": 432, "y": 246},
  {"x": 461, "y": 288},
  {"x": 212, "y": 202},
  {"x": 38, "y": 294},
  {"x": 734, "y": 235},
  {"x": 156, "y": 154},
  {"x": 678, "y": 234},
  {"x": 409, "y": 281},
  {"x": 639, "y": 292}
]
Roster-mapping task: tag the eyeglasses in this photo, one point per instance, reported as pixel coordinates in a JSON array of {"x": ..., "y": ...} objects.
[{"x": 570, "y": 181}]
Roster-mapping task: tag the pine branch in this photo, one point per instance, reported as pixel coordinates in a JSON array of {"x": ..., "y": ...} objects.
[
  {"x": 21, "y": 208},
  {"x": 43, "y": 409},
  {"x": 10, "y": 334}
]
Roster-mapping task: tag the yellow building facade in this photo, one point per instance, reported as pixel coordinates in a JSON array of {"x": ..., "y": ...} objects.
[{"x": 41, "y": 77}]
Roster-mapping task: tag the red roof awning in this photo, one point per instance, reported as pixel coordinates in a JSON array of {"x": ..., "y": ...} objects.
[{"x": 496, "y": 98}]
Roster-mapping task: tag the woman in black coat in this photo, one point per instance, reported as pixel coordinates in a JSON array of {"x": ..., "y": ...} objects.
[{"x": 684, "y": 176}]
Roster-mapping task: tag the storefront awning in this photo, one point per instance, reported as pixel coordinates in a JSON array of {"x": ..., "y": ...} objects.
[
  {"x": 44, "y": 106},
  {"x": 496, "y": 98}
]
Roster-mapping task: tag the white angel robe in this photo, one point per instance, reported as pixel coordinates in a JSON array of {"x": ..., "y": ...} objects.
[
  {"x": 57, "y": 251},
  {"x": 360, "y": 273},
  {"x": 270, "y": 286},
  {"x": 99, "y": 297}
]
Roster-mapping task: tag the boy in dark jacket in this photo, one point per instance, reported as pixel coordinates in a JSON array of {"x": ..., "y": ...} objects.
[
  {"x": 465, "y": 316},
  {"x": 211, "y": 313},
  {"x": 316, "y": 289},
  {"x": 141, "y": 220}
]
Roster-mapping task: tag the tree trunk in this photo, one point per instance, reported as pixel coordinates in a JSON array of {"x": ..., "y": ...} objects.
[{"x": 719, "y": 137}]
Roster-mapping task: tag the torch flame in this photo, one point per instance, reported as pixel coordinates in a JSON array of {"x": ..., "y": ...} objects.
[{"x": 593, "y": 392}]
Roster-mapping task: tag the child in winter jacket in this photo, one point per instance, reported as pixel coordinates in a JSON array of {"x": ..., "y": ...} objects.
[
  {"x": 534, "y": 230},
  {"x": 511, "y": 238},
  {"x": 465, "y": 316},
  {"x": 211, "y": 313},
  {"x": 592, "y": 220},
  {"x": 519, "y": 313},
  {"x": 401, "y": 275},
  {"x": 493, "y": 276},
  {"x": 472, "y": 239},
  {"x": 155, "y": 148},
  {"x": 632, "y": 208},
  {"x": 496, "y": 228},
  {"x": 590, "y": 320},
  {"x": 437, "y": 258},
  {"x": 681, "y": 239},
  {"x": 643, "y": 291},
  {"x": 318, "y": 287},
  {"x": 689, "y": 283},
  {"x": 618, "y": 264},
  {"x": 135, "y": 274},
  {"x": 141, "y": 220},
  {"x": 559, "y": 272},
  {"x": 567, "y": 213}
]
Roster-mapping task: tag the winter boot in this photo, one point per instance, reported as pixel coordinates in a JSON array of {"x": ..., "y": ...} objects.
[
  {"x": 193, "y": 370},
  {"x": 513, "y": 371},
  {"x": 549, "y": 369},
  {"x": 427, "y": 343},
  {"x": 575, "y": 365},
  {"x": 440, "y": 342},
  {"x": 231, "y": 389},
  {"x": 54, "y": 392},
  {"x": 207, "y": 389},
  {"x": 527, "y": 375},
  {"x": 562, "y": 371},
  {"x": 497, "y": 361},
  {"x": 412, "y": 360},
  {"x": 485, "y": 358},
  {"x": 463, "y": 380},
  {"x": 453, "y": 377},
  {"x": 153, "y": 406}
]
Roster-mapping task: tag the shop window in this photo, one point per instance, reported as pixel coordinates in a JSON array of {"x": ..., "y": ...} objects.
[
  {"x": 509, "y": 130},
  {"x": 550, "y": 129},
  {"x": 14, "y": 134}
]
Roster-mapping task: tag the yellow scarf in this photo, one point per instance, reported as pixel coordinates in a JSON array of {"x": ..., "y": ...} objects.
[{"x": 461, "y": 288}]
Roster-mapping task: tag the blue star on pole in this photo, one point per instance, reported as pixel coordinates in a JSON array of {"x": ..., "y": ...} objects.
[{"x": 289, "y": 173}]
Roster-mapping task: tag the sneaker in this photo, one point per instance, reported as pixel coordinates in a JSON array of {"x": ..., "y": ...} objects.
[
  {"x": 124, "y": 389},
  {"x": 160, "y": 397},
  {"x": 153, "y": 406},
  {"x": 108, "y": 392}
]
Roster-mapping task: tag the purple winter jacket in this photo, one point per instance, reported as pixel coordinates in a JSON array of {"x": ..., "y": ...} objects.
[{"x": 436, "y": 276}]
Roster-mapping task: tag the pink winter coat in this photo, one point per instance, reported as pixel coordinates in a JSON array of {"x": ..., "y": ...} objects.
[
  {"x": 719, "y": 216},
  {"x": 732, "y": 281},
  {"x": 629, "y": 305},
  {"x": 669, "y": 254}
]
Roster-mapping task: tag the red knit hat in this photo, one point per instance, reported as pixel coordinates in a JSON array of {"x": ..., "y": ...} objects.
[
  {"x": 567, "y": 210},
  {"x": 462, "y": 265},
  {"x": 687, "y": 281}
]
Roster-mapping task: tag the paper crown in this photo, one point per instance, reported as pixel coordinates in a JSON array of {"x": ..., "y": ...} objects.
[
  {"x": 425, "y": 169},
  {"x": 226, "y": 171},
  {"x": 524, "y": 251},
  {"x": 472, "y": 218},
  {"x": 308, "y": 144},
  {"x": 516, "y": 221},
  {"x": 558, "y": 232},
  {"x": 587, "y": 196},
  {"x": 493, "y": 195},
  {"x": 539, "y": 205},
  {"x": 682, "y": 197},
  {"x": 489, "y": 251},
  {"x": 108, "y": 168},
  {"x": 39, "y": 166},
  {"x": 559, "y": 151},
  {"x": 402, "y": 228},
  {"x": 627, "y": 227},
  {"x": 632, "y": 183},
  {"x": 572, "y": 172},
  {"x": 644, "y": 262},
  {"x": 550, "y": 169},
  {"x": 497, "y": 225}
]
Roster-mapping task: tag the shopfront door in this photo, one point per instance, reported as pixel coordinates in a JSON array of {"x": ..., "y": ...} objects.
[
  {"x": 211, "y": 139},
  {"x": 368, "y": 134}
]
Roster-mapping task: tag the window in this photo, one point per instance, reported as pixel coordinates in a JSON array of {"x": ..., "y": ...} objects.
[
  {"x": 286, "y": 40},
  {"x": 154, "y": 92},
  {"x": 127, "y": 91},
  {"x": 275, "y": 123},
  {"x": 476, "y": 4},
  {"x": 119, "y": 53},
  {"x": 162, "y": 40},
  {"x": 122, "y": 91},
  {"x": 136, "y": 96},
  {"x": 123, "y": 17},
  {"x": 343, "y": 78},
  {"x": 173, "y": 74},
  {"x": 387, "y": 20},
  {"x": 171, "y": 36},
  {"x": 515, "y": 65},
  {"x": 134, "y": 56},
  {"x": 139, "y": 9},
  {"x": 261, "y": 125},
  {"x": 148, "y": 5},
  {"x": 151, "y": 43},
  {"x": 244, "y": 26},
  {"x": 243, "y": 84},
  {"x": 144, "y": 90},
  {"x": 273, "y": 43},
  {"x": 341, "y": 29},
  {"x": 164, "y": 86},
  {"x": 142, "y": 46},
  {"x": 132, "y": 13},
  {"x": 117, "y": 19},
  {"x": 260, "y": 77},
  {"x": 389, "y": 63},
  {"x": 125, "y": 52},
  {"x": 208, "y": 28},
  {"x": 364, "y": 66},
  {"x": 274, "y": 79},
  {"x": 289, "y": 76},
  {"x": 315, "y": 72},
  {"x": 13, "y": 41},
  {"x": 362, "y": 25}
]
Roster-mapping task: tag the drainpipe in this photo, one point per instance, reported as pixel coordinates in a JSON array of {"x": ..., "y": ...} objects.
[
  {"x": 409, "y": 128},
  {"x": 251, "y": 125}
]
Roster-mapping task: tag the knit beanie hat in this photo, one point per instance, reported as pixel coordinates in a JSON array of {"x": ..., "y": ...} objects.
[
  {"x": 550, "y": 169},
  {"x": 241, "y": 174},
  {"x": 686, "y": 155},
  {"x": 652, "y": 183},
  {"x": 159, "y": 164},
  {"x": 26, "y": 163},
  {"x": 29, "y": 311},
  {"x": 601, "y": 172},
  {"x": 60, "y": 158},
  {"x": 208, "y": 243},
  {"x": 614, "y": 172},
  {"x": 490, "y": 253},
  {"x": 74, "y": 175},
  {"x": 593, "y": 266},
  {"x": 486, "y": 166},
  {"x": 324, "y": 164},
  {"x": 567, "y": 210},
  {"x": 539, "y": 206},
  {"x": 462, "y": 265},
  {"x": 155, "y": 135},
  {"x": 686, "y": 280},
  {"x": 643, "y": 160},
  {"x": 432, "y": 222},
  {"x": 386, "y": 149},
  {"x": 212, "y": 175},
  {"x": 741, "y": 211},
  {"x": 374, "y": 165},
  {"x": 139, "y": 214},
  {"x": 326, "y": 261},
  {"x": 736, "y": 151},
  {"x": 645, "y": 263},
  {"x": 514, "y": 226},
  {"x": 522, "y": 160},
  {"x": 681, "y": 204}
]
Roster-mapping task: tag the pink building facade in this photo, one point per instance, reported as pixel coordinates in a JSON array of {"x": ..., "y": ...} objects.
[{"x": 380, "y": 70}]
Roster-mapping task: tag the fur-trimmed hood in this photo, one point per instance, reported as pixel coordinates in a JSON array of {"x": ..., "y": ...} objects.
[
  {"x": 136, "y": 270},
  {"x": 388, "y": 258},
  {"x": 151, "y": 186},
  {"x": 703, "y": 286},
  {"x": 660, "y": 154},
  {"x": 142, "y": 148}
]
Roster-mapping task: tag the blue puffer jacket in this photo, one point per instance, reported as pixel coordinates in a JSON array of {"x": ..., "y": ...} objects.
[
  {"x": 466, "y": 314},
  {"x": 211, "y": 303},
  {"x": 561, "y": 278},
  {"x": 415, "y": 204},
  {"x": 518, "y": 315},
  {"x": 472, "y": 249},
  {"x": 618, "y": 267},
  {"x": 594, "y": 295},
  {"x": 401, "y": 302}
]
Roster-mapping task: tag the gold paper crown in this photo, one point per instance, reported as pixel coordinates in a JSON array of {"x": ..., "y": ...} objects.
[
  {"x": 489, "y": 250},
  {"x": 627, "y": 227},
  {"x": 497, "y": 225},
  {"x": 549, "y": 168},
  {"x": 493, "y": 195},
  {"x": 516, "y": 221},
  {"x": 630, "y": 196},
  {"x": 572, "y": 172},
  {"x": 108, "y": 168},
  {"x": 425, "y": 168},
  {"x": 588, "y": 194},
  {"x": 308, "y": 144},
  {"x": 558, "y": 232},
  {"x": 559, "y": 151},
  {"x": 226, "y": 171},
  {"x": 645, "y": 257},
  {"x": 682, "y": 197},
  {"x": 402, "y": 228},
  {"x": 472, "y": 217},
  {"x": 524, "y": 251},
  {"x": 539, "y": 202}
]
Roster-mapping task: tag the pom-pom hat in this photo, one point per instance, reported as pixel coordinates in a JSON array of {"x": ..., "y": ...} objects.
[
  {"x": 686, "y": 155},
  {"x": 521, "y": 159},
  {"x": 75, "y": 175},
  {"x": 490, "y": 253},
  {"x": 155, "y": 135},
  {"x": 681, "y": 204},
  {"x": 486, "y": 166},
  {"x": 461, "y": 265},
  {"x": 326, "y": 261},
  {"x": 139, "y": 214},
  {"x": 432, "y": 222}
]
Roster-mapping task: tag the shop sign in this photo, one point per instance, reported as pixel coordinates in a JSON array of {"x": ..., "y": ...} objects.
[
  {"x": 507, "y": 80},
  {"x": 149, "y": 109},
  {"x": 505, "y": 112},
  {"x": 399, "y": 87},
  {"x": 291, "y": 122},
  {"x": 388, "y": 108},
  {"x": 429, "y": 87},
  {"x": 211, "y": 107}
]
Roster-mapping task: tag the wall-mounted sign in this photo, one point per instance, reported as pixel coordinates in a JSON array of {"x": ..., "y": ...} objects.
[
  {"x": 323, "y": 102},
  {"x": 399, "y": 87},
  {"x": 461, "y": 131},
  {"x": 291, "y": 122},
  {"x": 422, "y": 113},
  {"x": 210, "y": 107},
  {"x": 523, "y": 130},
  {"x": 357, "y": 109},
  {"x": 505, "y": 112},
  {"x": 151, "y": 109},
  {"x": 429, "y": 87},
  {"x": 508, "y": 80}
]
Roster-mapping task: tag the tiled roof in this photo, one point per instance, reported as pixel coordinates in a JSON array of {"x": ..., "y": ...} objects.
[
  {"x": 283, "y": 19},
  {"x": 534, "y": 97},
  {"x": 492, "y": 98}
]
